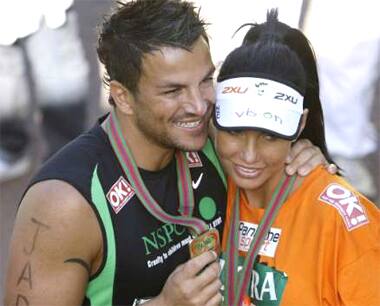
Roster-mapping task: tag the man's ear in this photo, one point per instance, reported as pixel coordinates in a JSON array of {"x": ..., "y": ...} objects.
[{"x": 122, "y": 97}]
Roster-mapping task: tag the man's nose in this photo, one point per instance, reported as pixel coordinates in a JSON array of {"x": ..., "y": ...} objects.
[{"x": 196, "y": 103}]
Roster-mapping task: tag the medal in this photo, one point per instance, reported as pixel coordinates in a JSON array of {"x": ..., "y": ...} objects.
[{"x": 207, "y": 241}]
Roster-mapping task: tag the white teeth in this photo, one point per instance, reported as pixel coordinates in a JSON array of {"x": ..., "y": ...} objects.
[
  {"x": 247, "y": 170},
  {"x": 188, "y": 124}
]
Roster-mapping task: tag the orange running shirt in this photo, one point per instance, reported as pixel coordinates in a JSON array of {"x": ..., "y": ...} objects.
[{"x": 326, "y": 238}]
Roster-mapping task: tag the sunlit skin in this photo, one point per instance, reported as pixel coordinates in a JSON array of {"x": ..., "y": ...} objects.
[
  {"x": 173, "y": 104},
  {"x": 254, "y": 160}
]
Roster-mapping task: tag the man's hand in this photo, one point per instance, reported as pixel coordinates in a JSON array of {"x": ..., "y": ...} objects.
[
  {"x": 196, "y": 282},
  {"x": 305, "y": 157}
]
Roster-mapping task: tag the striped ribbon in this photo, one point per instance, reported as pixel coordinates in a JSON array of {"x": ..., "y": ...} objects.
[
  {"x": 185, "y": 191},
  {"x": 236, "y": 288}
]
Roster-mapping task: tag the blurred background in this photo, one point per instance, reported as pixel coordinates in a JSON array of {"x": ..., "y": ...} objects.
[{"x": 51, "y": 89}]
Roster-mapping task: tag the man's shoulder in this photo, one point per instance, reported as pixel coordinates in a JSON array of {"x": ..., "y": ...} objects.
[
  {"x": 77, "y": 160},
  {"x": 53, "y": 193},
  {"x": 85, "y": 147}
]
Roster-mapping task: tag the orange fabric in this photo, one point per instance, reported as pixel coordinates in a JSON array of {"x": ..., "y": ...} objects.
[{"x": 327, "y": 261}]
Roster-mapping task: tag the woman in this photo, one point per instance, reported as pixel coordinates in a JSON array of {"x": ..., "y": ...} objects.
[{"x": 310, "y": 240}]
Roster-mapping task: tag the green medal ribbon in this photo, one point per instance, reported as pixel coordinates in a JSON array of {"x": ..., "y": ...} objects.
[
  {"x": 185, "y": 191},
  {"x": 235, "y": 289}
]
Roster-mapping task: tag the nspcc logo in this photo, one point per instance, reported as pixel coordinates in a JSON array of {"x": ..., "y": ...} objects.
[{"x": 119, "y": 194}]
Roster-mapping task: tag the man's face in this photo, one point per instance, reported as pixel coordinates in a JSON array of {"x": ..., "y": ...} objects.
[{"x": 175, "y": 97}]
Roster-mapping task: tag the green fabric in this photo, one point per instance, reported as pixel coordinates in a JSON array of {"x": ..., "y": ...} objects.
[
  {"x": 100, "y": 289},
  {"x": 209, "y": 151},
  {"x": 270, "y": 286},
  {"x": 267, "y": 285}
]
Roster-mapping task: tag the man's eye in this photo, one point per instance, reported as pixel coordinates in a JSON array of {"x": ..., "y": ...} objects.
[
  {"x": 172, "y": 91},
  {"x": 209, "y": 79},
  {"x": 208, "y": 82}
]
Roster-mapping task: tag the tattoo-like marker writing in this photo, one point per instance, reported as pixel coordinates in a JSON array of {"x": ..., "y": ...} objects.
[
  {"x": 26, "y": 275},
  {"x": 80, "y": 262},
  {"x": 39, "y": 225},
  {"x": 21, "y": 300}
]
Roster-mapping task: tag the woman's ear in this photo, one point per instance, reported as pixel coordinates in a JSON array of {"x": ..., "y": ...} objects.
[{"x": 123, "y": 97}]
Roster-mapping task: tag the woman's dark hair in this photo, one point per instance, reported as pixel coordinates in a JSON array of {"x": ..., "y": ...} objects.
[
  {"x": 140, "y": 27},
  {"x": 277, "y": 51}
]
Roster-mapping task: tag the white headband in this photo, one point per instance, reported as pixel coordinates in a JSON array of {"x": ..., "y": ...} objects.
[{"x": 259, "y": 103}]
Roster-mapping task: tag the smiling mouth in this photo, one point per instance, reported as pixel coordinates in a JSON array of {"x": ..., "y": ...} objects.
[
  {"x": 247, "y": 172},
  {"x": 189, "y": 125}
]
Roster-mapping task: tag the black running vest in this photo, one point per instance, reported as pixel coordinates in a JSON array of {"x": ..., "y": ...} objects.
[{"x": 140, "y": 252}]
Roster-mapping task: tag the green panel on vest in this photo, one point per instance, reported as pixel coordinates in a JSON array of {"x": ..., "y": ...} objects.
[
  {"x": 100, "y": 289},
  {"x": 209, "y": 151}
]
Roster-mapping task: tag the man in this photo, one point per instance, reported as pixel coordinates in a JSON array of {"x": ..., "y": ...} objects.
[{"x": 88, "y": 230}]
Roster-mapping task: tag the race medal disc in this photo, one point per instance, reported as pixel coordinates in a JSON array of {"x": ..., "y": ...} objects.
[{"x": 207, "y": 241}]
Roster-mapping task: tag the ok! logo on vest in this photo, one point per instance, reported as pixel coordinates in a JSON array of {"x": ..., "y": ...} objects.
[{"x": 119, "y": 194}]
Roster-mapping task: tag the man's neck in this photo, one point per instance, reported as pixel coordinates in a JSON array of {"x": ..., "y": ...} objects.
[{"x": 147, "y": 155}]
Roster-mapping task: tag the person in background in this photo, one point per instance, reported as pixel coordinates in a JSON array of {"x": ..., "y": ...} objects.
[
  {"x": 109, "y": 219},
  {"x": 44, "y": 77},
  {"x": 349, "y": 74},
  {"x": 288, "y": 240}
]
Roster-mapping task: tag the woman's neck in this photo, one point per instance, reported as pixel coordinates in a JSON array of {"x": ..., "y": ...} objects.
[{"x": 261, "y": 196}]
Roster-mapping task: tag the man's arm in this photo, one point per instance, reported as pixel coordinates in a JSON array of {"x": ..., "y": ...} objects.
[{"x": 51, "y": 256}]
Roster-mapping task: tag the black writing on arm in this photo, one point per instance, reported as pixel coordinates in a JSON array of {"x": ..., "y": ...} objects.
[
  {"x": 26, "y": 276},
  {"x": 21, "y": 300},
  {"x": 35, "y": 236},
  {"x": 81, "y": 262}
]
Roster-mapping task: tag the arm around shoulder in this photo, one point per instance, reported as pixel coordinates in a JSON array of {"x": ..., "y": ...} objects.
[{"x": 51, "y": 256}]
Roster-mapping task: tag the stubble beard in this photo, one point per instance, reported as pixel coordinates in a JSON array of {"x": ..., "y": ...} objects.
[{"x": 163, "y": 139}]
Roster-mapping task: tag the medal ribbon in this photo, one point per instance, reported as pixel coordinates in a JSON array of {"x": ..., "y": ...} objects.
[
  {"x": 185, "y": 191},
  {"x": 235, "y": 289}
]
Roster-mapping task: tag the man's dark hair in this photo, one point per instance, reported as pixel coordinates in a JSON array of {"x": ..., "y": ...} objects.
[
  {"x": 274, "y": 49},
  {"x": 141, "y": 26}
]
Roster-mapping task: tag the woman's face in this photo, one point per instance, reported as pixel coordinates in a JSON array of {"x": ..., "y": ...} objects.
[{"x": 253, "y": 159}]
